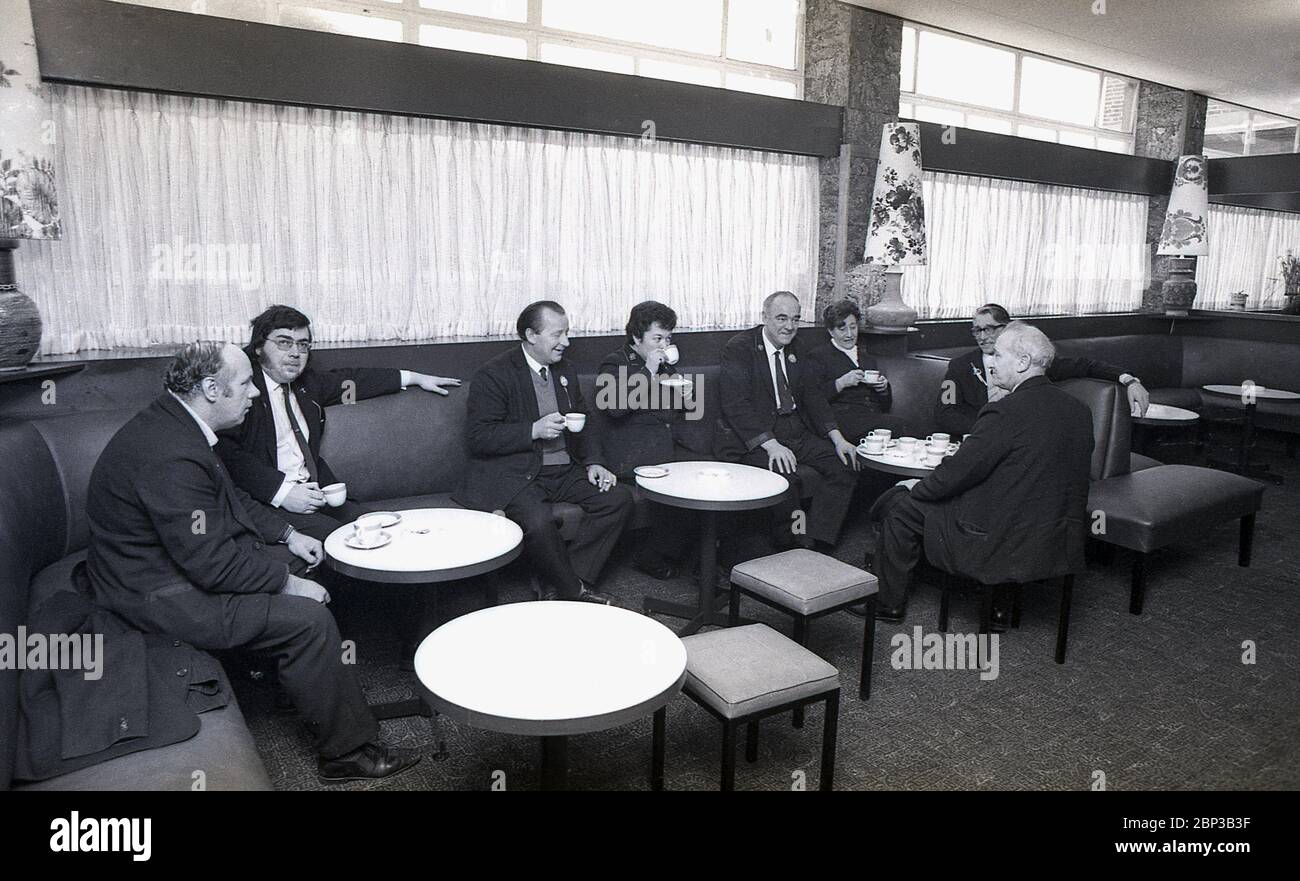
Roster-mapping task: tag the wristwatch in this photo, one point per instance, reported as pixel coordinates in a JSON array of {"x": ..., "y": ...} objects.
[{"x": 1131, "y": 379}]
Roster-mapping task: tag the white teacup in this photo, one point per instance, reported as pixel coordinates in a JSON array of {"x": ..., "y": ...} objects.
[
  {"x": 335, "y": 494},
  {"x": 871, "y": 377},
  {"x": 939, "y": 437},
  {"x": 935, "y": 446},
  {"x": 366, "y": 529},
  {"x": 672, "y": 355},
  {"x": 932, "y": 458},
  {"x": 575, "y": 421},
  {"x": 907, "y": 444},
  {"x": 874, "y": 446},
  {"x": 883, "y": 433}
]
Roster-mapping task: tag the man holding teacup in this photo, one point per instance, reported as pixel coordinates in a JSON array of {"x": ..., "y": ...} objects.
[
  {"x": 274, "y": 455},
  {"x": 644, "y": 424},
  {"x": 524, "y": 427}
]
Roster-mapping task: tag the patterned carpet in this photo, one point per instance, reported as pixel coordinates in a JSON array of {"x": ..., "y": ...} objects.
[{"x": 1157, "y": 701}]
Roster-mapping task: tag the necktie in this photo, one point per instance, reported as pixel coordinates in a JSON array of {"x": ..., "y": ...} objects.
[
  {"x": 308, "y": 459},
  {"x": 784, "y": 399},
  {"x": 545, "y": 374}
]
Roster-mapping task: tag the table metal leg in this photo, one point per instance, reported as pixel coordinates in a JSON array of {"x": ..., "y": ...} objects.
[
  {"x": 555, "y": 762},
  {"x": 707, "y": 612}
]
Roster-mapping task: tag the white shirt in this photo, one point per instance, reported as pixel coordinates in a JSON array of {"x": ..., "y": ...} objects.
[
  {"x": 533, "y": 365},
  {"x": 852, "y": 352},
  {"x": 771, "y": 370},
  {"x": 289, "y": 459},
  {"x": 208, "y": 433}
]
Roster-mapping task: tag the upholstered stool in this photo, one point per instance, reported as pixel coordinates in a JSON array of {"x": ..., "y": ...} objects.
[
  {"x": 808, "y": 585},
  {"x": 742, "y": 674}
]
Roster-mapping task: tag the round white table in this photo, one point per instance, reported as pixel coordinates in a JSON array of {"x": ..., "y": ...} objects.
[
  {"x": 1163, "y": 414},
  {"x": 901, "y": 466},
  {"x": 708, "y": 487},
  {"x": 552, "y": 669},
  {"x": 429, "y": 546},
  {"x": 1249, "y": 396}
]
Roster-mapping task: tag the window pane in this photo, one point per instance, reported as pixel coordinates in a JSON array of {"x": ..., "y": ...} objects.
[
  {"x": 510, "y": 10},
  {"x": 592, "y": 59},
  {"x": 1116, "y": 98},
  {"x": 940, "y": 115},
  {"x": 1074, "y": 139},
  {"x": 1272, "y": 136},
  {"x": 990, "y": 124},
  {"x": 908, "y": 72},
  {"x": 960, "y": 70},
  {"x": 1114, "y": 145},
  {"x": 1038, "y": 134},
  {"x": 1058, "y": 91},
  {"x": 473, "y": 41},
  {"x": 342, "y": 23},
  {"x": 763, "y": 31},
  {"x": 777, "y": 88},
  {"x": 689, "y": 25},
  {"x": 682, "y": 73}
]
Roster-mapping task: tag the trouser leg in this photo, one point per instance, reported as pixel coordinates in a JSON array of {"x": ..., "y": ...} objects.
[
  {"x": 604, "y": 515},
  {"x": 831, "y": 502},
  {"x": 902, "y": 533},
  {"x": 542, "y": 541}
]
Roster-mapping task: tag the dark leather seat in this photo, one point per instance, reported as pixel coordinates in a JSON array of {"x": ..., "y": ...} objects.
[{"x": 1144, "y": 510}]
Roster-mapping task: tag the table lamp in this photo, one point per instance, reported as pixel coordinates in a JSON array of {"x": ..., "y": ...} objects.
[
  {"x": 896, "y": 232},
  {"x": 29, "y": 207},
  {"x": 1184, "y": 236}
]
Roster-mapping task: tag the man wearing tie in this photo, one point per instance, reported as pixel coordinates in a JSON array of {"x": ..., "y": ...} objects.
[
  {"x": 524, "y": 455},
  {"x": 773, "y": 418},
  {"x": 275, "y": 454},
  {"x": 967, "y": 386}
]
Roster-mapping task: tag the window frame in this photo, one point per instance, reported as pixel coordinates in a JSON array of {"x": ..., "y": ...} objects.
[
  {"x": 1251, "y": 115},
  {"x": 1015, "y": 116}
]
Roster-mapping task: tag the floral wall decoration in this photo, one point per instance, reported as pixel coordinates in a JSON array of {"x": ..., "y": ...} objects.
[
  {"x": 1184, "y": 232},
  {"x": 29, "y": 205},
  {"x": 896, "y": 233}
]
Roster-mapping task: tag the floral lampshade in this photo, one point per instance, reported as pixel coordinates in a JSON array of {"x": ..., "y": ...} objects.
[
  {"x": 1184, "y": 233},
  {"x": 896, "y": 233},
  {"x": 29, "y": 205}
]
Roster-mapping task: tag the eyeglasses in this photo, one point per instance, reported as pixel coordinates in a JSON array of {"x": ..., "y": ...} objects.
[
  {"x": 284, "y": 344},
  {"x": 992, "y": 328}
]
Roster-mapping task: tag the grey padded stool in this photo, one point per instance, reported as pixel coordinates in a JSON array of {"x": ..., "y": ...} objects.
[
  {"x": 808, "y": 585},
  {"x": 742, "y": 674}
]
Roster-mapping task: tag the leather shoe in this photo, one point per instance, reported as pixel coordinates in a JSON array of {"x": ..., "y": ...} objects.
[
  {"x": 657, "y": 568},
  {"x": 891, "y": 615},
  {"x": 370, "y": 761},
  {"x": 591, "y": 595},
  {"x": 999, "y": 619}
]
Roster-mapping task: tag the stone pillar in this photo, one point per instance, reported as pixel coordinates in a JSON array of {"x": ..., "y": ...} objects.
[
  {"x": 852, "y": 58},
  {"x": 1169, "y": 123}
]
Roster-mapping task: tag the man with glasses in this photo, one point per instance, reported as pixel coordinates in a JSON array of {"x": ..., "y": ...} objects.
[
  {"x": 274, "y": 455},
  {"x": 967, "y": 387}
]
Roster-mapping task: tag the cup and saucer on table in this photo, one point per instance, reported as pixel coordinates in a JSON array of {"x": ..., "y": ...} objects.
[
  {"x": 370, "y": 531},
  {"x": 650, "y": 471}
]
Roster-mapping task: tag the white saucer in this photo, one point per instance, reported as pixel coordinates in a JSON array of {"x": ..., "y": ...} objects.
[
  {"x": 650, "y": 471},
  {"x": 676, "y": 381},
  {"x": 390, "y": 518},
  {"x": 351, "y": 541}
]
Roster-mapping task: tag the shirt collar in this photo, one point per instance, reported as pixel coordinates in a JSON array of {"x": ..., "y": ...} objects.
[
  {"x": 208, "y": 434},
  {"x": 767, "y": 344},
  {"x": 836, "y": 344},
  {"x": 532, "y": 365},
  {"x": 273, "y": 384}
]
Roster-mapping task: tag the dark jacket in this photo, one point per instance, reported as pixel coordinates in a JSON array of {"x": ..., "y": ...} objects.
[
  {"x": 249, "y": 449},
  {"x": 749, "y": 404},
  {"x": 963, "y": 391},
  {"x": 855, "y": 406},
  {"x": 499, "y": 417},
  {"x": 1011, "y": 504},
  {"x": 645, "y": 434},
  {"x": 149, "y": 690},
  {"x": 165, "y": 517}
]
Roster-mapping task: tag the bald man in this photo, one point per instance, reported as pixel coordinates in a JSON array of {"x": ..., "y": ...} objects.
[
  {"x": 775, "y": 415},
  {"x": 176, "y": 548},
  {"x": 1011, "y": 504}
]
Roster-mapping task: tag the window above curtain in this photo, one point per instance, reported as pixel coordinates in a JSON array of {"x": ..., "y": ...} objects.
[
  {"x": 185, "y": 217},
  {"x": 1033, "y": 248},
  {"x": 1246, "y": 250}
]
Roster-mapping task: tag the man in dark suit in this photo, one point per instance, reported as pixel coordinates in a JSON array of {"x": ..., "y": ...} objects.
[
  {"x": 773, "y": 417},
  {"x": 966, "y": 386},
  {"x": 274, "y": 454},
  {"x": 523, "y": 458},
  {"x": 840, "y": 367},
  {"x": 177, "y": 548},
  {"x": 1011, "y": 504},
  {"x": 645, "y": 423}
]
